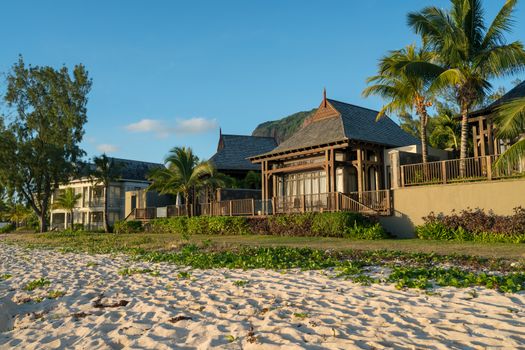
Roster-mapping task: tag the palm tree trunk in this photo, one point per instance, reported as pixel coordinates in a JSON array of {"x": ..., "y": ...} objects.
[
  {"x": 464, "y": 141},
  {"x": 105, "y": 212},
  {"x": 423, "y": 135},
  {"x": 71, "y": 220}
]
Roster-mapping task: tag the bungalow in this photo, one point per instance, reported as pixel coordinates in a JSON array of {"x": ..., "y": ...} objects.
[
  {"x": 233, "y": 152},
  {"x": 484, "y": 129},
  {"x": 337, "y": 156}
]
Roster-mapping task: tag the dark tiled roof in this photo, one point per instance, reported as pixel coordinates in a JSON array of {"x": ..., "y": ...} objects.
[
  {"x": 516, "y": 92},
  {"x": 134, "y": 169},
  {"x": 356, "y": 123},
  {"x": 127, "y": 169},
  {"x": 234, "y": 150}
]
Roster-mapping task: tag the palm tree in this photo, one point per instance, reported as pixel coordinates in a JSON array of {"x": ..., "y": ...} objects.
[
  {"x": 67, "y": 200},
  {"x": 470, "y": 52},
  {"x": 106, "y": 171},
  {"x": 184, "y": 173},
  {"x": 511, "y": 123},
  {"x": 403, "y": 91},
  {"x": 18, "y": 213}
]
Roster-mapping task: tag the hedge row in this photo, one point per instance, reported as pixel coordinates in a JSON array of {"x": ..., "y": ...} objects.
[
  {"x": 474, "y": 225},
  {"x": 340, "y": 224}
]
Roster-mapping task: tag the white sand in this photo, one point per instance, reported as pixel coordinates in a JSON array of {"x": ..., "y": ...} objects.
[{"x": 291, "y": 310}]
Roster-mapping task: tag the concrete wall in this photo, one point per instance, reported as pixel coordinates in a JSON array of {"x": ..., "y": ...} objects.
[{"x": 411, "y": 204}]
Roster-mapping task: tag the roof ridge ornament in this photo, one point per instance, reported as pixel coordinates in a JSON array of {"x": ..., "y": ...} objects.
[{"x": 324, "y": 97}]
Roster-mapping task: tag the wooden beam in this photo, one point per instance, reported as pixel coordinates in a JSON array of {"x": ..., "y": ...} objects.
[
  {"x": 482, "y": 138},
  {"x": 332, "y": 170},
  {"x": 293, "y": 154},
  {"x": 490, "y": 136},
  {"x": 296, "y": 168},
  {"x": 475, "y": 141},
  {"x": 327, "y": 170},
  {"x": 359, "y": 170}
]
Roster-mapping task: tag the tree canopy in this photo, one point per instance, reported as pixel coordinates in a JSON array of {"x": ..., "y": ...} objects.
[{"x": 41, "y": 137}]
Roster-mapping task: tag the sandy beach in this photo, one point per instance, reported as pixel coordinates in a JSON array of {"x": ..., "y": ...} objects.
[{"x": 112, "y": 302}]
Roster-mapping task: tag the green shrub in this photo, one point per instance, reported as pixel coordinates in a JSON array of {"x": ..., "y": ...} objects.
[
  {"x": 132, "y": 226},
  {"x": 8, "y": 228},
  {"x": 375, "y": 231},
  {"x": 337, "y": 224},
  {"x": 227, "y": 225},
  {"x": 176, "y": 225},
  {"x": 434, "y": 230},
  {"x": 291, "y": 224},
  {"x": 197, "y": 225}
]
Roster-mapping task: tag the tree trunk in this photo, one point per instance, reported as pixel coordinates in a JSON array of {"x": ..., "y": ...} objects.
[
  {"x": 423, "y": 135},
  {"x": 71, "y": 220},
  {"x": 464, "y": 140},
  {"x": 105, "y": 212}
]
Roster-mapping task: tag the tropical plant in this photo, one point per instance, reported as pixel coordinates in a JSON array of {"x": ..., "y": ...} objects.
[
  {"x": 40, "y": 145},
  {"x": 18, "y": 213},
  {"x": 469, "y": 53},
  {"x": 106, "y": 171},
  {"x": 403, "y": 90},
  {"x": 445, "y": 128},
  {"x": 511, "y": 124},
  {"x": 67, "y": 200},
  {"x": 184, "y": 173}
]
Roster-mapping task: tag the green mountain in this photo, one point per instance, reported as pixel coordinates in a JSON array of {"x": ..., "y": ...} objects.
[{"x": 283, "y": 128}]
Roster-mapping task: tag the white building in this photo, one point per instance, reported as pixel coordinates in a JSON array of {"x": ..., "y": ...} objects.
[{"x": 90, "y": 207}]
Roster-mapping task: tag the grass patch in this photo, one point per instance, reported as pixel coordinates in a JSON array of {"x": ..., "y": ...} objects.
[
  {"x": 414, "y": 263},
  {"x": 129, "y": 271},
  {"x": 53, "y": 294},
  {"x": 5, "y": 276},
  {"x": 184, "y": 275},
  {"x": 241, "y": 283},
  {"x": 36, "y": 284}
]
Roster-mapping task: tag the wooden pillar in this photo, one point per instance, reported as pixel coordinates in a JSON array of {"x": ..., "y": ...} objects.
[
  {"x": 263, "y": 176},
  {"x": 332, "y": 170},
  {"x": 327, "y": 170},
  {"x": 490, "y": 136},
  {"x": 378, "y": 185},
  {"x": 359, "y": 170},
  {"x": 475, "y": 141},
  {"x": 482, "y": 138}
]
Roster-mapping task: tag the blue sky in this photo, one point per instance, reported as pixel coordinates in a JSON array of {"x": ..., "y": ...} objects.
[{"x": 170, "y": 73}]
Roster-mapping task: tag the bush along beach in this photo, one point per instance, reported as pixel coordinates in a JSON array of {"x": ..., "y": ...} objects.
[
  {"x": 474, "y": 225},
  {"x": 338, "y": 224}
]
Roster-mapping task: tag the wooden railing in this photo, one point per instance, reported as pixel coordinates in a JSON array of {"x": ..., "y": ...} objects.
[
  {"x": 145, "y": 213},
  {"x": 370, "y": 202},
  {"x": 457, "y": 170},
  {"x": 179, "y": 210},
  {"x": 236, "y": 207},
  {"x": 379, "y": 201}
]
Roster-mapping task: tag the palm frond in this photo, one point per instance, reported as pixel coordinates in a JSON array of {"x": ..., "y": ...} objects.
[
  {"x": 502, "y": 23},
  {"x": 501, "y": 60},
  {"x": 511, "y": 157},
  {"x": 510, "y": 118}
]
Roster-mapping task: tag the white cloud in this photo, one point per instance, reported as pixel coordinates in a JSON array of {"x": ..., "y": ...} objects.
[
  {"x": 194, "y": 125},
  {"x": 145, "y": 125},
  {"x": 107, "y": 148},
  {"x": 180, "y": 126}
]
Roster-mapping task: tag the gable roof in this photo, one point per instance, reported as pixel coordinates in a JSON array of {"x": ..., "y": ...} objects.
[
  {"x": 516, "y": 92},
  {"x": 134, "y": 169},
  {"x": 339, "y": 121},
  {"x": 127, "y": 169},
  {"x": 233, "y": 151}
]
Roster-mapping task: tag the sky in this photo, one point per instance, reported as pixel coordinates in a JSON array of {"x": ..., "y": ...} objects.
[{"x": 171, "y": 73}]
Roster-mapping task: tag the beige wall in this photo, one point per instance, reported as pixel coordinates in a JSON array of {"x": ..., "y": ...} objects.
[{"x": 413, "y": 203}]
